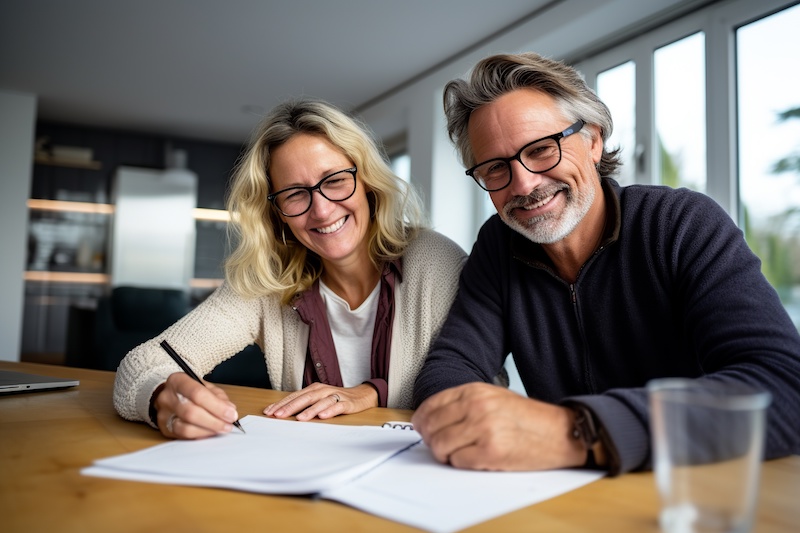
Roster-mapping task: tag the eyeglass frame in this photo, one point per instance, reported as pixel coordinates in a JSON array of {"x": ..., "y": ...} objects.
[
  {"x": 318, "y": 187},
  {"x": 574, "y": 128}
]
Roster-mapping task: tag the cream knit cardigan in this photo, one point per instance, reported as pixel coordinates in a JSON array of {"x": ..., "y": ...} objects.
[{"x": 225, "y": 323}]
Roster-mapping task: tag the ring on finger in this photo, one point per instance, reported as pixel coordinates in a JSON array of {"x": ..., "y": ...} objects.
[
  {"x": 336, "y": 398},
  {"x": 171, "y": 422}
]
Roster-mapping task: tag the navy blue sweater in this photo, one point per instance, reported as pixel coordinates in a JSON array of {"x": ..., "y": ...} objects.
[{"x": 674, "y": 290}]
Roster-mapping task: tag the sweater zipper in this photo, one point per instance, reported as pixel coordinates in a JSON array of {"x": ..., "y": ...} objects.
[
  {"x": 587, "y": 375},
  {"x": 573, "y": 296},
  {"x": 573, "y": 291}
]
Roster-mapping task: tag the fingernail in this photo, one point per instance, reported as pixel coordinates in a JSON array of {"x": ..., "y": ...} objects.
[
  {"x": 231, "y": 415},
  {"x": 278, "y": 413}
]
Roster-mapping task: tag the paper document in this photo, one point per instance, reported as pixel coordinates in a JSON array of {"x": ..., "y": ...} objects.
[
  {"x": 415, "y": 489},
  {"x": 275, "y": 457},
  {"x": 383, "y": 471}
]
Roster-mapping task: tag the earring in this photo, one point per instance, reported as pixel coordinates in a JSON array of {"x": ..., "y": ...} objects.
[
  {"x": 373, "y": 204},
  {"x": 283, "y": 235}
]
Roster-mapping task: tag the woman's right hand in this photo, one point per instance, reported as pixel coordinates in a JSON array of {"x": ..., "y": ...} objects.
[{"x": 188, "y": 410}]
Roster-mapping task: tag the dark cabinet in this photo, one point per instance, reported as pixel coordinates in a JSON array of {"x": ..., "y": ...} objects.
[{"x": 70, "y": 217}]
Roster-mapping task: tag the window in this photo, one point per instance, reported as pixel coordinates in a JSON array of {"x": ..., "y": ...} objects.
[
  {"x": 709, "y": 101},
  {"x": 401, "y": 166},
  {"x": 396, "y": 147},
  {"x": 769, "y": 148},
  {"x": 617, "y": 88},
  {"x": 680, "y": 113}
]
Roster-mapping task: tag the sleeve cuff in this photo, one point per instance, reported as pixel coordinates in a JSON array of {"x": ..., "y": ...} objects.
[
  {"x": 625, "y": 437},
  {"x": 381, "y": 387},
  {"x": 144, "y": 396}
]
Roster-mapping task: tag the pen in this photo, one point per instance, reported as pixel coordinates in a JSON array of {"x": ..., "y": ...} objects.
[{"x": 186, "y": 368}]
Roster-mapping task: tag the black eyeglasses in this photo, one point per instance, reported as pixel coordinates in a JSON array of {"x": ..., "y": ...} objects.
[
  {"x": 538, "y": 156},
  {"x": 336, "y": 187}
]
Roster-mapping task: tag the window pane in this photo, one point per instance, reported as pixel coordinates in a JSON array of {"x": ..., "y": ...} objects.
[
  {"x": 769, "y": 148},
  {"x": 401, "y": 166},
  {"x": 680, "y": 112},
  {"x": 616, "y": 87}
]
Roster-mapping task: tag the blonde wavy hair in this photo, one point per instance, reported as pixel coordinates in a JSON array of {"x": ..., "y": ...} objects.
[{"x": 266, "y": 259}]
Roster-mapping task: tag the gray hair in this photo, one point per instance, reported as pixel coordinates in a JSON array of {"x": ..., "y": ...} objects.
[{"x": 497, "y": 75}]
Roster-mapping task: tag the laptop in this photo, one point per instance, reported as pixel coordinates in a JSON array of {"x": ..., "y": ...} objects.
[{"x": 11, "y": 381}]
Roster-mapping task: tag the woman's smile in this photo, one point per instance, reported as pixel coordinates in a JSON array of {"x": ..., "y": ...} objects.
[{"x": 333, "y": 227}]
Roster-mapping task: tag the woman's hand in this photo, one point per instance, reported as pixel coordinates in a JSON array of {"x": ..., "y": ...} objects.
[
  {"x": 188, "y": 410},
  {"x": 324, "y": 401}
]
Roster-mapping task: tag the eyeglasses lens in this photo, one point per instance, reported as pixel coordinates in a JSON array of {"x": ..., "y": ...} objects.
[
  {"x": 536, "y": 157},
  {"x": 336, "y": 188}
]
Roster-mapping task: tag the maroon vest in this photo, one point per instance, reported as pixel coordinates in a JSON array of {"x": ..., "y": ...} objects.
[{"x": 322, "y": 363}]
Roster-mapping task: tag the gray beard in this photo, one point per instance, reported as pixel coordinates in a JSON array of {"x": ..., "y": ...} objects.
[{"x": 552, "y": 227}]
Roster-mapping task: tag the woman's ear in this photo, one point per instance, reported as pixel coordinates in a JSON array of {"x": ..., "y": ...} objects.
[
  {"x": 286, "y": 235},
  {"x": 280, "y": 229}
]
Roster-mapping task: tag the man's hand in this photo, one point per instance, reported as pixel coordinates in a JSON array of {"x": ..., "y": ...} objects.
[
  {"x": 324, "y": 401},
  {"x": 486, "y": 427}
]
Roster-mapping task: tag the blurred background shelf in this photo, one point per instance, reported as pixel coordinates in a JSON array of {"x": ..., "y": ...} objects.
[
  {"x": 71, "y": 216},
  {"x": 69, "y": 163}
]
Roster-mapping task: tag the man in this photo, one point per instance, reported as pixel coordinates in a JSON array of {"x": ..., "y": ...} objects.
[{"x": 593, "y": 288}]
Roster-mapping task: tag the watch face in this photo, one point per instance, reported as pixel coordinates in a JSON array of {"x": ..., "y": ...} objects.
[{"x": 584, "y": 428}]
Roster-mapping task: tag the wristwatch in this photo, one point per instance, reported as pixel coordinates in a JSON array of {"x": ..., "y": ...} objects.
[{"x": 585, "y": 429}]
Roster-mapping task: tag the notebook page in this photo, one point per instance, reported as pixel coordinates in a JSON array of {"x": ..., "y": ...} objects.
[
  {"x": 275, "y": 456},
  {"x": 414, "y": 489}
]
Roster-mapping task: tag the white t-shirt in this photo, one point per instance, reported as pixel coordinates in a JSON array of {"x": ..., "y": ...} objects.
[{"x": 352, "y": 331}]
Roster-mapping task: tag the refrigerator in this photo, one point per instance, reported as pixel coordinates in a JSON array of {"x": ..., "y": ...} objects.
[{"x": 153, "y": 228}]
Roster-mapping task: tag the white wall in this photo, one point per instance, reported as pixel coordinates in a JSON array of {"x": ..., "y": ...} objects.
[
  {"x": 17, "y": 123},
  {"x": 563, "y": 31}
]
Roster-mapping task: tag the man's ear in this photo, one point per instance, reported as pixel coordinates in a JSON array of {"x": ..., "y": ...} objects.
[{"x": 596, "y": 146}]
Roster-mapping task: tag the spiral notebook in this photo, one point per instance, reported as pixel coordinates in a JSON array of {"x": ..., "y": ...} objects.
[{"x": 386, "y": 471}]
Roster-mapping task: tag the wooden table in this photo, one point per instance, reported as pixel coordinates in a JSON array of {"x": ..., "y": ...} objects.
[{"x": 47, "y": 437}]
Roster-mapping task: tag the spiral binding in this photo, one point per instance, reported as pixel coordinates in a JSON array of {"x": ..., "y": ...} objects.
[{"x": 398, "y": 425}]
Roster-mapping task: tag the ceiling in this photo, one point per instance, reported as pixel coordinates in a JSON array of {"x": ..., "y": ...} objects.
[{"x": 206, "y": 69}]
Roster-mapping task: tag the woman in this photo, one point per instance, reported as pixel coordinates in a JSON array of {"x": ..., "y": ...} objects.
[{"x": 332, "y": 276}]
